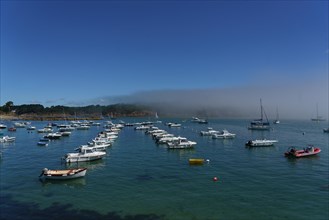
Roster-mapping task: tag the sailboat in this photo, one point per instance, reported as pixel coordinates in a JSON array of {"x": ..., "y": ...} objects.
[
  {"x": 318, "y": 118},
  {"x": 277, "y": 121},
  {"x": 260, "y": 124}
]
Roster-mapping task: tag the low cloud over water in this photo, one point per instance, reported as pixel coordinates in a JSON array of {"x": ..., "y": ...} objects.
[{"x": 243, "y": 102}]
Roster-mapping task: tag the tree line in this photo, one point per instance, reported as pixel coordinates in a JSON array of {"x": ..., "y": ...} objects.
[{"x": 109, "y": 110}]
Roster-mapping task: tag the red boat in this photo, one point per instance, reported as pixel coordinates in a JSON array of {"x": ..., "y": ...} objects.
[
  {"x": 309, "y": 151},
  {"x": 12, "y": 129}
]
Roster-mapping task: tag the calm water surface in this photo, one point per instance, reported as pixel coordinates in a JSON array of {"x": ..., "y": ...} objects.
[{"x": 141, "y": 180}]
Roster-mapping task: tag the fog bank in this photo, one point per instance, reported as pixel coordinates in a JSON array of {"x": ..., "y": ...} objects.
[{"x": 292, "y": 102}]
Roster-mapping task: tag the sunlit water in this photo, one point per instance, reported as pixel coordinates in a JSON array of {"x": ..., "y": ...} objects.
[{"x": 141, "y": 180}]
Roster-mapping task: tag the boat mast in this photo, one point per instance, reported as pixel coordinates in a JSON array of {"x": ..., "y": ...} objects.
[{"x": 261, "y": 110}]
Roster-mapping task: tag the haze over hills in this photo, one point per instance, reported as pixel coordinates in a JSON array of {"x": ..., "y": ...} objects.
[{"x": 292, "y": 101}]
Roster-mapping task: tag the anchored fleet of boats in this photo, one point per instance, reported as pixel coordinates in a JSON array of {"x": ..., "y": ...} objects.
[{"x": 96, "y": 148}]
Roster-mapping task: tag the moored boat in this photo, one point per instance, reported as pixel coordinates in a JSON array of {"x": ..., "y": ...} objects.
[
  {"x": 260, "y": 124},
  {"x": 63, "y": 174},
  {"x": 223, "y": 135},
  {"x": 196, "y": 161},
  {"x": 7, "y": 138},
  {"x": 3, "y": 126},
  {"x": 209, "y": 132},
  {"x": 261, "y": 143},
  {"x": 12, "y": 129},
  {"x": 308, "y": 151},
  {"x": 85, "y": 154},
  {"x": 53, "y": 136},
  {"x": 181, "y": 143},
  {"x": 42, "y": 143}
]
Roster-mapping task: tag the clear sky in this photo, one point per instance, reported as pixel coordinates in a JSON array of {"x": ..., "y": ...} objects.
[{"x": 80, "y": 52}]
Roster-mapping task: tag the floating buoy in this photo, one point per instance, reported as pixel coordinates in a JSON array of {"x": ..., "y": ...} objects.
[{"x": 215, "y": 179}]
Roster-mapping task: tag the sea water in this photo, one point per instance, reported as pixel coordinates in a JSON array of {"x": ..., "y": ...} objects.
[{"x": 139, "y": 179}]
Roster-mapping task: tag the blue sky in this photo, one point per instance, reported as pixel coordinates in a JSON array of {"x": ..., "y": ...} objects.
[{"x": 78, "y": 52}]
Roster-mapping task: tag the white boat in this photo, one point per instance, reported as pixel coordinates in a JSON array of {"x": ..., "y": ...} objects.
[
  {"x": 63, "y": 174},
  {"x": 277, "y": 121},
  {"x": 85, "y": 154},
  {"x": 30, "y": 128},
  {"x": 159, "y": 134},
  {"x": 45, "y": 130},
  {"x": 3, "y": 126},
  {"x": 162, "y": 135},
  {"x": 94, "y": 147},
  {"x": 142, "y": 127},
  {"x": 174, "y": 125},
  {"x": 168, "y": 139},
  {"x": 260, "y": 124},
  {"x": 209, "y": 132},
  {"x": 223, "y": 135},
  {"x": 83, "y": 127},
  {"x": 182, "y": 143},
  {"x": 65, "y": 133},
  {"x": 326, "y": 130},
  {"x": 65, "y": 127},
  {"x": 261, "y": 143},
  {"x": 6, "y": 139},
  {"x": 53, "y": 136},
  {"x": 104, "y": 142},
  {"x": 198, "y": 120},
  {"x": 19, "y": 125}
]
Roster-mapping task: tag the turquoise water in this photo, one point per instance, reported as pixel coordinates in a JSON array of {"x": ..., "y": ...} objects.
[{"x": 141, "y": 180}]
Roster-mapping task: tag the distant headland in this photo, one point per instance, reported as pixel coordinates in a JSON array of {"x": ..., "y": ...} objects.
[{"x": 38, "y": 112}]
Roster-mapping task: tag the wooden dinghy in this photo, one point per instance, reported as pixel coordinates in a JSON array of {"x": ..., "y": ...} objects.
[{"x": 63, "y": 174}]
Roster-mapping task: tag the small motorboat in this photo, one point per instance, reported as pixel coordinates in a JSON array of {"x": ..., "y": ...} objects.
[
  {"x": 196, "y": 161},
  {"x": 43, "y": 143},
  {"x": 308, "y": 151},
  {"x": 53, "y": 136},
  {"x": 223, "y": 135},
  {"x": 326, "y": 130},
  {"x": 260, "y": 143},
  {"x": 84, "y": 154},
  {"x": 209, "y": 132},
  {"x": 12, "y": 129},
  {"x": 63, "y": 174},
  {"x": 30, "y": 128},
  {"x": 181, "y": 143},
  {"x": 6, "y": 139}
]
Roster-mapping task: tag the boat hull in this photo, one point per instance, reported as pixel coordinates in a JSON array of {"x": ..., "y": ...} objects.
[
  {"x": 218, "y": 136},
  {"x": 74, "y": 159},
  {"x": 261, "y": 143},
  {"x": 64, "y": 174},
  {"x": 302, "y": 153}
]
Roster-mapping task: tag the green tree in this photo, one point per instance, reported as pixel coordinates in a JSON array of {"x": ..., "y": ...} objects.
[{"x": 7, "y": 107}]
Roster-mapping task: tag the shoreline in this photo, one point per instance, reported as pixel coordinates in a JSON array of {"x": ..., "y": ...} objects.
[{"x": 35, "y": 117}]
